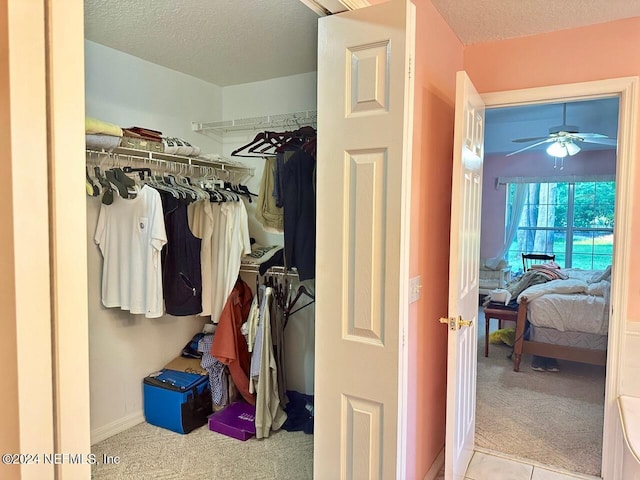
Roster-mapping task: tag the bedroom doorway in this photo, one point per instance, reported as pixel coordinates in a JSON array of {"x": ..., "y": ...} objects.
[
  {"x": 611, "y": 88},
  {"x": 561, "y": 206}
]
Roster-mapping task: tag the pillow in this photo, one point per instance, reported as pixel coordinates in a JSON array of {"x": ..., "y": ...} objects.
[{"x": 598, "y": 277}]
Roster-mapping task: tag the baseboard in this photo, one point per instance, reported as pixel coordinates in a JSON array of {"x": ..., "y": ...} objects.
[
  {"x": 110, "y": 429},
  {"x": 436, "y": 466}
]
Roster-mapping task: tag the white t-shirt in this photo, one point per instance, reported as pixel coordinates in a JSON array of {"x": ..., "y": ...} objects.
[{"x": 131, "y": 234}]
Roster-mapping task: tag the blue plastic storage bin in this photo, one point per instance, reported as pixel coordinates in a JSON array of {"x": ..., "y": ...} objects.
[{"x": 177, "y": 401}]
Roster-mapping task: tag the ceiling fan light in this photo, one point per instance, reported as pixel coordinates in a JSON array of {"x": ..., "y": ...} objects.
[
  {"x": 557, "y": 149},
  {"x": 572, "y": 148}
]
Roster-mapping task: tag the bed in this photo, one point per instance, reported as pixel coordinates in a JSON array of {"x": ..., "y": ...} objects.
[{"x": 568, "y": 318}]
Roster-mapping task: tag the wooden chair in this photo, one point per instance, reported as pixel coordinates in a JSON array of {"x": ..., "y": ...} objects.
[{"x": 529, "y": 259}]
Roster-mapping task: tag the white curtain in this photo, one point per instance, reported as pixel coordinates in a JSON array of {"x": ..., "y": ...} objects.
[{"x": 515, "y": 212}]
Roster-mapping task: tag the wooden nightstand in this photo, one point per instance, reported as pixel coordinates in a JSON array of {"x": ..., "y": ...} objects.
[{"x": 500, "y": 314}]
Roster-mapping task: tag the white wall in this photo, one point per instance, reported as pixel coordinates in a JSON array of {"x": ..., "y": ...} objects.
[
  {"x": 124, "y": 348},
  {"x": 128, "y": 91},
  {"x": 296, "y": 93}
]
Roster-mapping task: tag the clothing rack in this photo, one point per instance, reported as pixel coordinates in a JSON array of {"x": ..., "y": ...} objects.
[{"x": 224, "y": 169}]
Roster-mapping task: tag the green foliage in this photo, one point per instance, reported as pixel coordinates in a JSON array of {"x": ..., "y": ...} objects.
[{"x": 544, "y": 223}]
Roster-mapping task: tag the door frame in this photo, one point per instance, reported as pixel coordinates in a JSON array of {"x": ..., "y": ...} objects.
[{"x": 626, "y": 89}]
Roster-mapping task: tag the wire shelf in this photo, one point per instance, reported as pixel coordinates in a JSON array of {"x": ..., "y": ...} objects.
[{"x": 282, "y": 120}]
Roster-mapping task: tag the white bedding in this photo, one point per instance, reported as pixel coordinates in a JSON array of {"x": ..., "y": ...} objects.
[{"x": 578, "y": 304}]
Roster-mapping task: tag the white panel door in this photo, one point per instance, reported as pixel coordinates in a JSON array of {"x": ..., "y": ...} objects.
[
  {"x": 363, "y": 197},
  {"x": 466, "y": 196}
]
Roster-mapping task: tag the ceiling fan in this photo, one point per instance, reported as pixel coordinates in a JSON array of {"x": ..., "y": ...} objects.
[{"x": 563, "y": 139}]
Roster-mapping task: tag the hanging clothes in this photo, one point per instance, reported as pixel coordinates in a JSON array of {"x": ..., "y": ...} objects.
[
  {"x": 200, "y": 221},
  {"x": 268, "y": 212},
  {"x": 269, "y": 412},
  {"x": 218, "y": 379},
  {"x": 181, "y": 275},
  {"x": 224, "y": 231},
  {"x": 229, "y": 345},
  {"x": 131, "y": 234},
  {"x": 296, "y": 178}
]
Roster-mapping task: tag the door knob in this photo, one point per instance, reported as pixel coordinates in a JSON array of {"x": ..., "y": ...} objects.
[{"x": 456, "y": 323}]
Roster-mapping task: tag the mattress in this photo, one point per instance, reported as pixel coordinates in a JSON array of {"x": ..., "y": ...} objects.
[
  {"x": 570, "y": 312},
  {"x": 570, "y": 339}
]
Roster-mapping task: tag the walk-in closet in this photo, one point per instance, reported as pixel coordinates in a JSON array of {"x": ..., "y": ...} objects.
[{"x": 197, "y": 140}]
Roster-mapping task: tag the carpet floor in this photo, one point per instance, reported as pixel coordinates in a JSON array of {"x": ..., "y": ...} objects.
[
  {"x": 146, "y": 452},
  {"x": 554, "y": 419}
]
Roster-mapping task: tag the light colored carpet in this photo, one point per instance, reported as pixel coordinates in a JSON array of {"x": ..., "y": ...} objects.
[
  {"x": 555, "y": 419},
  {"x": 147, "y": 452}
]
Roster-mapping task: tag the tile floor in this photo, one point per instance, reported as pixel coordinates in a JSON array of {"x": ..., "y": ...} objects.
[{"x": 485, "y": 466}]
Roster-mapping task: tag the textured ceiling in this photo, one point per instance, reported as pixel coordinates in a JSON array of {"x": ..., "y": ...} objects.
[
  {"x": 228, "y": 42},
  {"x": 503, "y": 125},
  {"x": 225, "y": 42},
  {"x": 476, "y": 21}
]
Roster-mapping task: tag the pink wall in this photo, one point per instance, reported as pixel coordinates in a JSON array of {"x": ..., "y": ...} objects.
[
  {"x": 439, "y": 56},
  {"x": 596, "y": 52},
  {"x": 535, "y": 164}
]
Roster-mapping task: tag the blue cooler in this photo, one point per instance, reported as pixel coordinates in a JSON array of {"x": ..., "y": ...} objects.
[{"x": 178, "y": 401}]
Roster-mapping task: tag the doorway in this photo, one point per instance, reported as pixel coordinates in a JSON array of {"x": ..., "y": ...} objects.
[
  {"x": 624, "y": 89},
  {"x": 551, "y": 204}
]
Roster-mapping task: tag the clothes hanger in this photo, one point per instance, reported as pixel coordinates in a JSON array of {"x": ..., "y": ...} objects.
[
  {"x": 122, "y": 190},
  {"x": 245, "y": 151},
  {"x": 92, "y": 188},
  {"x": 107, "y": 196}
]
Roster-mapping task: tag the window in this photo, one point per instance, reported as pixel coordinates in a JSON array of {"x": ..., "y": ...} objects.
[{"x": 574, "y": 221}]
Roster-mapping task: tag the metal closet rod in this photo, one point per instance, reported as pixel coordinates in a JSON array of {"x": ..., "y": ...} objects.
[
  {"x": 167, "y": 157},
  {"x": 170, "y": 162}
]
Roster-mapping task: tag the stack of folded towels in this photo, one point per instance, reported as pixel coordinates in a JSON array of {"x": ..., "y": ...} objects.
[
  {"x": 101, "y": 135},
  {"x": 107, "y": 136}
]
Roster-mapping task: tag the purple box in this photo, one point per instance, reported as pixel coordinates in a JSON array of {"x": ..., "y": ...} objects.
[{"x": 238, "y": 420}]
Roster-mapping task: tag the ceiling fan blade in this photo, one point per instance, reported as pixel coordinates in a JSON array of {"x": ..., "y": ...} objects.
[
  {"x": 601, "y": 141},
  {"x": 591, "y": 135},
  {"x": 530, "y": 139},
  {"x": 547, "y": 140}
]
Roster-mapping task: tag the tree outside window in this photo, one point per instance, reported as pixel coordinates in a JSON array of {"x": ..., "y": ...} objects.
[{"x": 574, "y": 221}]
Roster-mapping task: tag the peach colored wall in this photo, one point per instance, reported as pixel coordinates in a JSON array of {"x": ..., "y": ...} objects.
[
  {"x": 9, "y": 414},
  {"x": 536, "y": 164},
  {"x": 439, "y": 56},
  {"x": 596, "y": 52}
]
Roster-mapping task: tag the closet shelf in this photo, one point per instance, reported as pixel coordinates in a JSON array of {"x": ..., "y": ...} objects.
[
  {"x": 167, "y": 157},
  {"x": 275, "y": 270},
  {"x": 283, "y": 120}
]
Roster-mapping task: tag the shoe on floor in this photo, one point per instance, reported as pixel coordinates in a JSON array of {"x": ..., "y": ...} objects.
[
  {"x": 551, "y": 365},
  {"x": 537, "y": 364}
]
